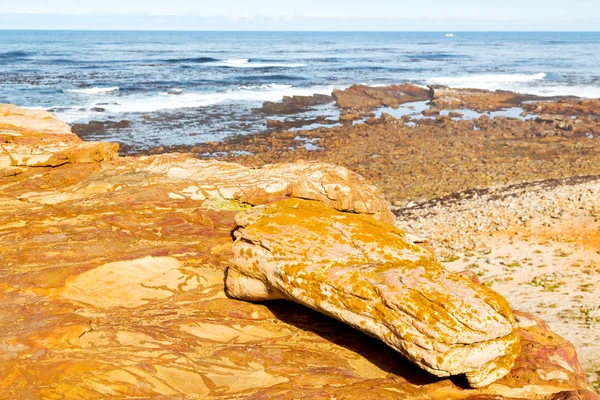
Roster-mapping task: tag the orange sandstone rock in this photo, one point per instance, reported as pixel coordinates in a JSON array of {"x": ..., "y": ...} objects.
[
  {"x": 365, "y": 273},
  {"x": 39, "y": 139},
  {"x": 361, "y": 97},
  {"x": 112, "y": 286},
  {"x": 477, "y": 99},
  {"x": 590, "y": 107}
]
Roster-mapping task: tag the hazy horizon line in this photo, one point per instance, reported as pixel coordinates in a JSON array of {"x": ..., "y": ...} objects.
[
  {"x": 299, "y": 30},
  {"x": 151, "y": 23}
]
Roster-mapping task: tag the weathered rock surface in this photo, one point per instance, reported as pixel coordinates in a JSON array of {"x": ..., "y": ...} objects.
[
  {"x": 566, "y": 107},
  {"x": 98, "y": 127},
  {"x": 368, "y": 275},
  {"x": 402, "y": 156},
  {"x": 38, "y": 138},
  {"x": 294, "y": 104},
  {"x": 476, "y": 99},
  {"x": 112, "y": 286},
  {"x": 361, "y": 97}
]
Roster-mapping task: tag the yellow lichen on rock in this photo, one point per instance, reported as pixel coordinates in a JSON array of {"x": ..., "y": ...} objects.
[{"x": 367, "y": 274}]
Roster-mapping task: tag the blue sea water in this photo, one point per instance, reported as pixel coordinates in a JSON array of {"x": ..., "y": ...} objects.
[{"x": 190, "y": 87}]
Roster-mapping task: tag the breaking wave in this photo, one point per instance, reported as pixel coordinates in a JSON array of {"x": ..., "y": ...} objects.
[
  {"x": 94, "y": 90},
  {"x": 247, "y": 63},
  {"x": 487, "y": 81},
  {"x": 176, "y": 98},
  {"x": 236, "y": 62}
]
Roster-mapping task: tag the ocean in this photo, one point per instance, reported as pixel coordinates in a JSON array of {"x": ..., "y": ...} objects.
[{"x": 182, "y": 88}]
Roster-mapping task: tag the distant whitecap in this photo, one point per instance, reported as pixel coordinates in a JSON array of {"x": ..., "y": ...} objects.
[
  {"x": 93, "y": 90},
  {"x": 246, "y": 63},
  {"x": 487, "y": 81}
]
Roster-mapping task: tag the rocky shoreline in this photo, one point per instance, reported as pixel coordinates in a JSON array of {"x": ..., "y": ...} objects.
[
  {"x": 465, "y": 184},
  {"x": 143, "y": 310},
  {"x": 403, "y": 155},
  {"x": 526, "y": 190}
]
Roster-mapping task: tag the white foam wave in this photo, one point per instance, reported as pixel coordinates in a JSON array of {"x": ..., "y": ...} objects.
[
  {"x": 237, "y": 61},
  {"x": 145, "y": 103},
  {"x": 520, "y": 83},
  {"x": 375, "y": 85},
  {"x": 266, "y": 86},
  {"x": 487, "y": 81},
  {"x": 246, "y": 63},
  {"x": 93, "y": 90},
  {"x": 591, "y": 92},
  {"x": 163, "y": 101}
]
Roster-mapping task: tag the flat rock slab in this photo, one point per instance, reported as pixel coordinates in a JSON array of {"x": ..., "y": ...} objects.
[
  {"x": 361, "y": 97},
  {"x": 112, "y": 278},
  {"x": 479, "y": 100}
]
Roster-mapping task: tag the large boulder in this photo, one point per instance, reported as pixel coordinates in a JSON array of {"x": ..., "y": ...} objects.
[
  {"x": 361, "y": 97},
  {"x": 36, "y": 138},
  {"x": 367, "y": 274}
]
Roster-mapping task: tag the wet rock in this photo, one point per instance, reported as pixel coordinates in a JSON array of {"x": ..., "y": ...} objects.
[
  {"x": 388, "y": 118},
  {"x": 294, "y": 104},
  {"x": 566, "y": 107},
  {"x": 476, "y": 99},
  {"x": 274, "y": 108},
  {"x": 307, "y": 101},
  {"x": 431, "y": 112},
  {"x": 361, "y": 97},
  {"x": 281, "y": 125},
  {"x": 348, "y": 117},
  {"x": 547, "y": 119},
  {"x": 275, "y": 124},
  {"x": 98, "y": 127}
]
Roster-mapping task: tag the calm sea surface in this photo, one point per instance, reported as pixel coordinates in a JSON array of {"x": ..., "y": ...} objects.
[{"x": 190, "y": 87}]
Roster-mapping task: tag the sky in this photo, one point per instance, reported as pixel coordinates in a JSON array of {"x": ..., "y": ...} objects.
[{"x": 395, "y": 15}]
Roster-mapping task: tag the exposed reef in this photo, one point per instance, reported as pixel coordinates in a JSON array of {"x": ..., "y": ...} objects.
[
  {"x": 361, "y": 97},
  {"x": 416, "y": 156}
]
